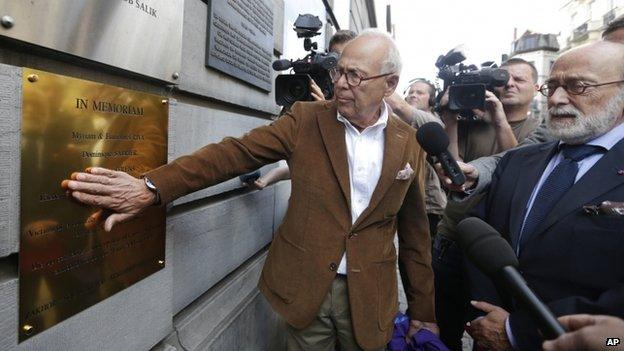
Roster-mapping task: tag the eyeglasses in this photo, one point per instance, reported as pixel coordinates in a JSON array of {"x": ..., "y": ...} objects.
[
  {"x": 353, "y": 78},
  {"x": 575, "y": 87}
]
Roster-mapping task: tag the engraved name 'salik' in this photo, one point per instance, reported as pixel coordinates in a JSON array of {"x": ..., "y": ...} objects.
[{"x": 109, "y": 107}]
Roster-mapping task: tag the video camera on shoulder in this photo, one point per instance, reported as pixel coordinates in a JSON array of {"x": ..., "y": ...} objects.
[
  {"x": 467, "y": 84},
  {"x": 290, "y": 88}
]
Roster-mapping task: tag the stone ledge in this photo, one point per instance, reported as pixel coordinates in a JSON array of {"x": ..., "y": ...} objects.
[{"x": 211, "y": 241}]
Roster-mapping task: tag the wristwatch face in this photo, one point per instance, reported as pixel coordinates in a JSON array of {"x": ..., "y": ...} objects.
[{"x": 150, "y": 185}]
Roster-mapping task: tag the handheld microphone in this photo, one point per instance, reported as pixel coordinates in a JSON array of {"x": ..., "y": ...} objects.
[
  {"x": 435, "y": 142},
  {"x": 485, "y": 247},
  {"x": 280, "y": 65}
]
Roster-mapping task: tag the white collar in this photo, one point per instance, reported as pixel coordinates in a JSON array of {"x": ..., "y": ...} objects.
[{"x": 381, "y": 121}]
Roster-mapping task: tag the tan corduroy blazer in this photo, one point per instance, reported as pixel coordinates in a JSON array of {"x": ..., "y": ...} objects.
[{"x": 317, "y": 228}]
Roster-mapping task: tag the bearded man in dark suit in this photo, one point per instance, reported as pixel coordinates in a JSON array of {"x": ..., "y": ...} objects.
[{"x": 547, "y": 200}]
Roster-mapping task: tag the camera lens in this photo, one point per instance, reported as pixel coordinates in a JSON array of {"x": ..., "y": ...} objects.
[
  {"x": 466, "y": 96},
  {"x": 296, "y": 90}
]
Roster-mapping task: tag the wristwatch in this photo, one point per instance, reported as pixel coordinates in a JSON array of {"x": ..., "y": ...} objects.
[{"x": 151, "y": 187}]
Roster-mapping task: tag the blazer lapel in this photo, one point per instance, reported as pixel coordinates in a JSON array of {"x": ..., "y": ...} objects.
[
  {"x": 534, "y": 165},
  {"x": 394, "y": 147},
  {"x": 333, "y": 134},
  {"x": 602, "y": 177}
]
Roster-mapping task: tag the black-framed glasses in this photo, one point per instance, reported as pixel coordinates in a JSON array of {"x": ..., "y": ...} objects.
[
  {"x": 353, "y": 78},
  {"x": 575, "y": 87}
]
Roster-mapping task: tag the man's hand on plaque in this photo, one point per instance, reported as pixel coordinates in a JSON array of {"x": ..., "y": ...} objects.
[{"x": 118, "y": 192}]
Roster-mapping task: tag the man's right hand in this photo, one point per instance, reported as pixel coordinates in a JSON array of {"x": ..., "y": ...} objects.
[
  {"x": 120, "y": 193},
  {"x": 471, "y": 173},
  {"x": 587, "y": 333}
]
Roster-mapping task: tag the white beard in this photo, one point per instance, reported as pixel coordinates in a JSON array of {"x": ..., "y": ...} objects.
[{"x": 582, "y": 128}]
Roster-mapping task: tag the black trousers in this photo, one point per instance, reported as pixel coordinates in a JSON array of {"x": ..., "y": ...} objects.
[{"x": 451, "y": 291}]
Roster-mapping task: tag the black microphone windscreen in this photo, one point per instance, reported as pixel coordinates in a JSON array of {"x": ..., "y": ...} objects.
[
  {"x": 280, "y": 65},
  {"x": 485, "y": 247},
  {"x": 432, "y": 137}
]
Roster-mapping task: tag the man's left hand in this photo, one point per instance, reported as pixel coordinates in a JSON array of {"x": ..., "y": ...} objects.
[
  {"x": 416, "y": 325},
  {"x": 489, "y": 331},
  {"x": 316, "y": 92}
]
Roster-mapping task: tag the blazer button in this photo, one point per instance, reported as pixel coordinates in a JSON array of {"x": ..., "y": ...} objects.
[
  {"x": 353, "y": 235},
  {"x": 333, "y": 266}
]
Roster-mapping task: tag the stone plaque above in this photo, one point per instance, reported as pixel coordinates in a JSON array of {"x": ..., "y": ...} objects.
[
  {"x": 67, "y": 262},
  {"x": 239, "y": 39},
  {"x": 141, "y": 36}
]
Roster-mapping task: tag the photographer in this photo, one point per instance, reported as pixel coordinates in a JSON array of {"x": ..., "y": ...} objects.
[
  {"x": 504, "y": 123},
  {"x": 336, "y": 44}
]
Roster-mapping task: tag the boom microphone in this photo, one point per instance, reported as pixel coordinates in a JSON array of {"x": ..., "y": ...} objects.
[
  {"x": 485, "y": 247},
  {"x": 434, "y": 140}
]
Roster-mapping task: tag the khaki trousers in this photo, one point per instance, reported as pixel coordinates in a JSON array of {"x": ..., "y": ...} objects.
[{"x": 333, "y": 322}]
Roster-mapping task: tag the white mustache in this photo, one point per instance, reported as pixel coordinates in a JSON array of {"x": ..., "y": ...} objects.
[{"x": 564, "y": 111}]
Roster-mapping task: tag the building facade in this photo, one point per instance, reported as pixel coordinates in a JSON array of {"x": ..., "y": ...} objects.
[
  {"x": 541, "y": 50},
  {"x": 585, "y": 20}
]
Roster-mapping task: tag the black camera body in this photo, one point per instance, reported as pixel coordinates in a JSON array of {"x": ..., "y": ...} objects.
[
  {"x": 467, "y": 84},
  {"x": 290, "y": 88}
]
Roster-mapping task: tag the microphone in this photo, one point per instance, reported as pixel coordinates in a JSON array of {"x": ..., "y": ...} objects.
[
  {"x": 280, "y": 65},
  {"x": 435, "y": 142},
  {"x": 485, "y": 247}
]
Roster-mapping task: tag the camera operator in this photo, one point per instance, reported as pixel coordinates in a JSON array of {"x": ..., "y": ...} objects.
[
  {"x": 417, "y": 109},
  {"x": 504, "y": 123},
  {"x": 336, "y": 44},
  {"x": 506, "y": 116}
]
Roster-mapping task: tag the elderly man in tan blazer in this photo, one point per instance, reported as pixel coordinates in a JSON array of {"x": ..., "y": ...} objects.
[{"x": 357, "y": 178}]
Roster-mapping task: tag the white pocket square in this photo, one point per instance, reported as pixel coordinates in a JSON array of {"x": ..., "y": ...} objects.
[{"x": 405, "y": 173}]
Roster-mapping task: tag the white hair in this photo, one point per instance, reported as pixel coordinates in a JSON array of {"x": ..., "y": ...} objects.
[{"x": 392, "y": 62}]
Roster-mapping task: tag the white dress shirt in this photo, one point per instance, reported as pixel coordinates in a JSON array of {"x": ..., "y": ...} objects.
[{"x": 365, "y": 155}]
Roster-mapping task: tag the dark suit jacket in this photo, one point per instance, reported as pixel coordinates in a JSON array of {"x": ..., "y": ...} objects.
[
  {"x": 574, "y": 261},
  {"x": 317, "y": 227}
]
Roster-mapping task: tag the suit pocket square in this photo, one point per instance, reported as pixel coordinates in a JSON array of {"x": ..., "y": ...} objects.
[
  {"x": 405, "y": 173},
  {"x": 608, "y": 208}
]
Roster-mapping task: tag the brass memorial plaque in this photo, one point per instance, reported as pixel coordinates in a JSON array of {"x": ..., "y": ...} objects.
[{"x": 66, "y": 261}]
